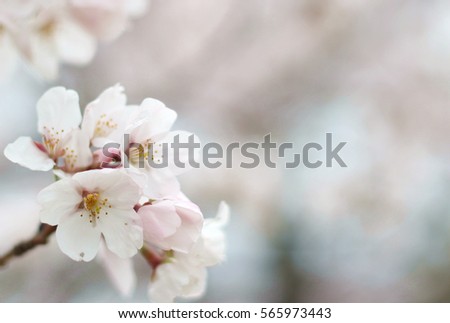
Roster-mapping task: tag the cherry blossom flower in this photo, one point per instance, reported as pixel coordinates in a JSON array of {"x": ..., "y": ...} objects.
[
  {"x": 45, "y": 33},
  {"x": 171, "y": 223},
  {"x": 99, "y": 207},
  {"x": 54, "y": 37},
  {"x": 58, "y": 119},
  {"x": 90, "y": 207},
  {"x": 150, "y": 141},
  {"x": 184, "y": 274},
  {"x": 142, "y": 133}
]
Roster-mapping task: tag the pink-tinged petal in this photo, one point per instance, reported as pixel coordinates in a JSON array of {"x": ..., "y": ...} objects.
[
  {"x": 122, "y": 232},
  {"x": 105, "y": 19},
  {"x": 73, "y": 43},
  {"x": 189, "y": 231},
  {"x": 24, "y": 152},
  {"x": 58, "y": 200},
  {"x": 58, "y": 109},
  {"x": 159, "y": 221},
  {"x": 78, "y": 238},
  {"x": 77, "y": 154},
  {"x": 120, "y": 271}
]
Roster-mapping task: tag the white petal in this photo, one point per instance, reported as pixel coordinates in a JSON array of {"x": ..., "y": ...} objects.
[
  {"x": 24, "y": 152},
  {"x": 159, "y": 221},
  {"x": 161, "y": 182},
  {"x": 167, "y": 283},
  {"x": 78, "y": 238},
  {"x": 59, "y": 199},
  {"x": 136, "y": 8},
  {"x": 222, "y": 217},
  {"x": 119, "y": 270},
  {"x": 78, "y": 155},
  {"x": 43, "y": 56},
  {"x": 213, "y": 237},
  {"x": 185, "y": 158},
  {"x": 8, "y": 55},
  {"x": 178, "y": 278},
  {"x": 108, "y": 107},
  {"x": 153, "y": 118},
  {"x": 58, "y": 108},
  {"x": 74, "y": 44},
  {"x": 122, "y": 232},
  {"x": 197, "y": 283},
  {"x": 114, "y": 184}
]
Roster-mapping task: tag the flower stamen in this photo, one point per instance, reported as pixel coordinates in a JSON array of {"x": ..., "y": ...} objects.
[{"x": 93, "y": 203}]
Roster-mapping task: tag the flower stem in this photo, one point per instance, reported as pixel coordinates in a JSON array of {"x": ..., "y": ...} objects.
[
  {"x": 153, "y": 258},
  {"x": 41, "y": 238}
]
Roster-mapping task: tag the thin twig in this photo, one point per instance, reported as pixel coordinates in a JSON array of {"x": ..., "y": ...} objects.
[{"x": 40, "y": 238}]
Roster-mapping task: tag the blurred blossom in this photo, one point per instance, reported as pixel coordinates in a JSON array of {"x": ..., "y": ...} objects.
[{"x": 47, "y": 33}]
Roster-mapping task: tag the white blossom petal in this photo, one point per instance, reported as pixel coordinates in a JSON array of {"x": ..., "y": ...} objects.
[
  {"x": 120, "y": 271},
  {"x": 105, "y": 116},
  {"x": 43, "y": 55},
  {"x": 213, "y": 236},
  {"x": 77, "y": 153},
  {"x": 24, "y": 152},
  {"x": 122, "y": 232},
  {"x": 73, "y": 43},
  {"x": 116, "y": 185},
  {"x": 179, "y": 161},
  {"x": 161, "y": 182},
  {"x": 197, "y": 284},
  {"x": 59, "y": 199},
  {"x": 78, "y": 238},
  {"x": 58, "y": 109},
  {"x": 168, "y": 282},
  {"x": 152, "y": 118},
  {"x": 8, "y": 54}
]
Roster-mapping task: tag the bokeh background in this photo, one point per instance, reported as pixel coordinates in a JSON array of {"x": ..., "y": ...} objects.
[{"x": 376, "y": 74}]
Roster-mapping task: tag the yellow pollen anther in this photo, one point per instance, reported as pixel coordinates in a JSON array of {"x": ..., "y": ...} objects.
[
  {"x": 90, "y": 202},
  {"x": 93, "y": 203}
]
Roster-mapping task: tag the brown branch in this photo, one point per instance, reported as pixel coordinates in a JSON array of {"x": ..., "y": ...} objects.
[{"x": 41, "y": 238}]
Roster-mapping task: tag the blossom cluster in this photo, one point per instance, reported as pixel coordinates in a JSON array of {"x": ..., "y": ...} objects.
[
  {"x": 44, "y": 33},
  {"x": 110, "y": 212}
]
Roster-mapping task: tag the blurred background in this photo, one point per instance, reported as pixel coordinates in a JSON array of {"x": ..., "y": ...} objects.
[{"x": 376, "y": 74}]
